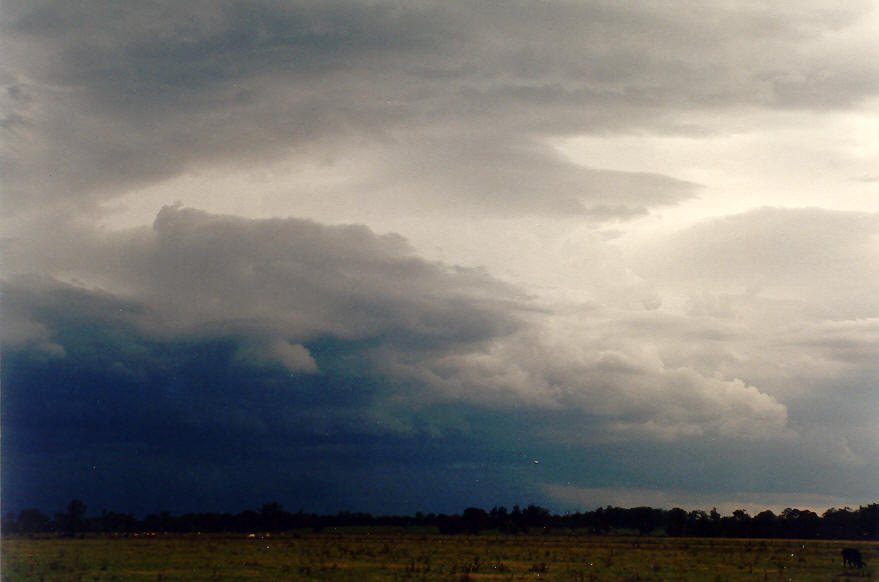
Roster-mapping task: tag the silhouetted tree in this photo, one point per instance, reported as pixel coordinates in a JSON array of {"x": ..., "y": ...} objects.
[
  {"x": 500, "y": 519},
  {"x": 676, "y": 522},
  {"x": 839, "y": 523},
  {"x": 535, "y": 517},
  {"x": 700, "y": 524},
  {"x": 474, "y": 519},
  {"x": 846, "y": 523},
  {"x": 868, "y": 521},
  {"x": 273, "y": 516},
  {"x": 110, "y": 521},
  {"x": 765, "y": 524},
  {"x": 737, "y": 525},
  {"x": 33, "y": 521},
  {"x": 644, "y": 519},
  {"x": 9, "y": 523},
  {"x": 803, "y": 524},
  {"x": 449, "y": 524},
  {"x": 72, "y": 521}
]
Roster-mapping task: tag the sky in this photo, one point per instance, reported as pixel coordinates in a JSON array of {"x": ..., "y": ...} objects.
[{"x": 418, "y": 256}]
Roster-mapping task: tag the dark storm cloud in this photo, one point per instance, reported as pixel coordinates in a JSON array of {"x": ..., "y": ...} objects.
[
  {"x": 229, "y": 361},
  {"x": 102, "y": 97},
  {"x": 215, "y": 314},
  {"x": 228, "y": 346}
]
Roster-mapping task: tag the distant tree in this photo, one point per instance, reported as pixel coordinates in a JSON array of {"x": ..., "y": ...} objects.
[
  {"x": 160, "y": 522},
  {"x": 535, "y": 516},
  {"x": 644, "y": 519},
  {"x": 765, "y": 524},
  {"x": 700, "y": 524},
  {"x": 9, "y": 523},
  {"x": 738, "y": 525},
  {"x": 76, "y": 509},
  {"x": 500, "y": 519},
  {"x": 33, "y": 521},
  {"x": 273, "y": 516},
  {"x": 676, "y": 522},
  {"x": 247, "y": 521},
  {"x": 799, "y": 524},
  {"x": 475, "y": 519},
  {"x": 839, "y": 523},
  {"x": 868, "y": 521},
  {"x": 516, "y": 519},
  {"x": 845, "y": 523},
  {"x": 602, "y": 520},
  {"x": 73, "y": 520},
  {"x": 449, "y": 524},
  {"x": 111, "y": 521}
]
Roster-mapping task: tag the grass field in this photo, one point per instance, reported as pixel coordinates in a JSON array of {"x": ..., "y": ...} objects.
[{"x": 364, "y": 556}]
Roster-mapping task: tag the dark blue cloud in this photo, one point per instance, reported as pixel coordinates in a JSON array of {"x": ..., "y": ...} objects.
[
  {"x": 133, "y": 403},
  {"x": 196, "y": 429}
]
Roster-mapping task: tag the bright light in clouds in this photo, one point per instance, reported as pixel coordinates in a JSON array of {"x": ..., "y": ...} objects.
[{"x": 756, "y": 160}]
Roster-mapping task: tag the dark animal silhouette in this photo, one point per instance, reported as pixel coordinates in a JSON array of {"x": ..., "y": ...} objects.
[{"x": 852, "y": 557}]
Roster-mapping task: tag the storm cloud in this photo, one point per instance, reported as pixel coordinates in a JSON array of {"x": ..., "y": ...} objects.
[{"x": 414, "y": 257}]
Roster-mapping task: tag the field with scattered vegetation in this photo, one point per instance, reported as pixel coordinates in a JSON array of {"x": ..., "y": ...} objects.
[{"x": 367, "y": 556}]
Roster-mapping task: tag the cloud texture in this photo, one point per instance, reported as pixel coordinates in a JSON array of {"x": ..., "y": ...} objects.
[{"x": 356, "y": 255}]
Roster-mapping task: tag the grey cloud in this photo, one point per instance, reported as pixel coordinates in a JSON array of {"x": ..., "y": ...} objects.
[
  {"x": 281, "y": 281},
  {"x": 135, "y": 93},
  {"x": 853, "y": 341},
  {"x": 128, "y": 95}
]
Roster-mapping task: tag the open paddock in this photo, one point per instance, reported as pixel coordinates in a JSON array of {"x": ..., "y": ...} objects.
[{"x": 406, "y": 556}]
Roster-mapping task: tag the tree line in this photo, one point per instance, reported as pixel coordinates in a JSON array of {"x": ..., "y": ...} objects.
[{"x": 845, "y": 523}]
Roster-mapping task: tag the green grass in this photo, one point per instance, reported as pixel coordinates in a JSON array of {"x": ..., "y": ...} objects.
[{"x": 401, "y": 556}]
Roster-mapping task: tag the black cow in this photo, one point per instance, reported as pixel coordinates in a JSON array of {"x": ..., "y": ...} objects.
[{"x": 852, "y": 557}]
